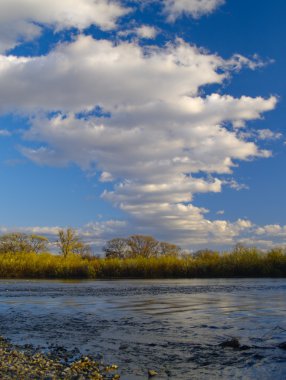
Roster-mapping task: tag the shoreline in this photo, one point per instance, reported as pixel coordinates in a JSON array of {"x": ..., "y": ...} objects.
[{"x": 28, "y": 362}]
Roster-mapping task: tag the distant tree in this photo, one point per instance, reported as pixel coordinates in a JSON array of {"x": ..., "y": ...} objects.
[
  {"x": 239, "y": 248},
  {"x": 83, "y": 249},
  {"x": 276, "y": 252},
  {"x": 206, "y": 254},
  {"x": 168, "y": 249},
  {"x": 17, "y": 242},
  {"x": 38, "y": 243},
  {"x": 117, "y": 248},
  {"x": 69, "y": 243},
  {"x": 13, "y": 243},
  {"x": 145, "y": 246}
]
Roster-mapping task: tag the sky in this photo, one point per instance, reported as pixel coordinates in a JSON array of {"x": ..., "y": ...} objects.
[{"x": 155, "y": 117}]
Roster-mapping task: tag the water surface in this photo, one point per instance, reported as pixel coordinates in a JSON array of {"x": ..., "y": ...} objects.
[{"x": 172, "y": 326}]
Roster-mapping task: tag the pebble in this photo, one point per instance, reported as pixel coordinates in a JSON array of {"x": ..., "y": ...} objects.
[{"x": 18, "y": 363}]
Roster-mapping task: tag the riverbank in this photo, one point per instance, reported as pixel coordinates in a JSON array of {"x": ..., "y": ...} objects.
[
  {"x": 244, "y": 263},
  {"x": 26, "y": 363}
]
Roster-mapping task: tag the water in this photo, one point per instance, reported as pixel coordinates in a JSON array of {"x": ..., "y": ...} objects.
[{"x": 171, "y": 326}]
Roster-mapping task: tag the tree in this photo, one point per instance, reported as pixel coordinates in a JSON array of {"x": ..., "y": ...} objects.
[
  {"x": 38, "y": 243},
  {"x": 83, "y": 250},
  {"x": 117, "y": 248},
  {"x": 168, "y": 249},
  {"x": 70, "y": 243},
  {"x": 139, "y": 245},
  {"x": 206, "y": 254},
  {"x": 17, "y": 242},
  {"x": 145, "y": 246}
]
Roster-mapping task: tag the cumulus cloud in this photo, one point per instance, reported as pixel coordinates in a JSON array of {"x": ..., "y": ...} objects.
[
  {"x": 195, "y": 8},
  {"x": 146, "y": 31},
  {"x": 86, "y": 73},
  {"x": 22, "y": 20},
  {"x": 275, "y": 234},
  {"x": 14, "y": 33},
  {"x": 143, "y": 32},
  {"x": 272, "y": 230},
  {"x": 267, "y": 134},
  {"x": 156, "y": 139}
]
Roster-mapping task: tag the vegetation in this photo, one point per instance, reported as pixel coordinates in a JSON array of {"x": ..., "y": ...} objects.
[
  {"x": 23, "y": 243},
  {"x": 139, "y": 246},
  {"x": 69, "y": 243},
  {"x": 23, "y": 256},
  {"x": 248, "y": 263}
]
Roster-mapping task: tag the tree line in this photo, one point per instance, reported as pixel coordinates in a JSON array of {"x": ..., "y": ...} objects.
[
  {"x": 68, "y": 242},
  {"x": 139, "y": 245}
]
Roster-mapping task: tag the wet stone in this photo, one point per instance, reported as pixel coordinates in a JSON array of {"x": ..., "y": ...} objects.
[
  {"x": 282, "y": 346},
  {"x": 232, "y": 343},
  {"x": 19, "y": 363}
]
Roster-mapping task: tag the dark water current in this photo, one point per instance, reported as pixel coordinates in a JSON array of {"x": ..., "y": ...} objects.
[{"x": 171, "y": 326}]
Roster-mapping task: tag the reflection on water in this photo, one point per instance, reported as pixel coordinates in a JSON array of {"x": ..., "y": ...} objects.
[{"x": 172, "y": 326}]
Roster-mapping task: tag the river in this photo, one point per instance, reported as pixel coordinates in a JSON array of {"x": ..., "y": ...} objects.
[{"x": 172, "y": 326}]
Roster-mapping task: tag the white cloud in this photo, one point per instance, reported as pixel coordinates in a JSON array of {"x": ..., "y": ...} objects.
[
  {"x": 146, "y": 31},
  {"x": 267, "y": 134},
  {"x": 195, "y": 8},
  {"x": 86, "y": 73},
  {"x": 142, "y": 32},
  {"x": 233, "y": 184},
  {"x": 89, "y": 72},
  {"x": 106, "y": 177},
  {"x": 273, "y": 230},
  {"x": 21, "y": 20},
  {"x": 160, "y": 141},
  {"x": 14, "y": 33}
]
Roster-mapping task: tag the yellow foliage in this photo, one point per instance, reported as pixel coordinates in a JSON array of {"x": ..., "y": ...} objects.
[{"x": 240, "y": 263}]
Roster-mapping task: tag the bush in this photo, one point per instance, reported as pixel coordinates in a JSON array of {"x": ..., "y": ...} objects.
[{"x": 243, "y": 263}]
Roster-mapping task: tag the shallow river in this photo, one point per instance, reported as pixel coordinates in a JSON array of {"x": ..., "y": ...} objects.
[{"x": 171, "y": 326}]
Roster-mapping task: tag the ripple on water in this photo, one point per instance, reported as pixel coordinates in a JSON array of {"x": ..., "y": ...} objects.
[{"x": 174, "y": 327}]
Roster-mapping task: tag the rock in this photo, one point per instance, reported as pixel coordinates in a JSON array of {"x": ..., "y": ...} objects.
[
  {"x": 282, "y": 346},
  {"x": 232, "y": 343},
  {"x": 244, "y": 347},
  {"x": 19, "y": 363},
  {"x": 152, "y": 373}
]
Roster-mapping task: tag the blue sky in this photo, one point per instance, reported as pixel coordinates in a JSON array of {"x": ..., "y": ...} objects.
[{"x": 165, "y": 118}]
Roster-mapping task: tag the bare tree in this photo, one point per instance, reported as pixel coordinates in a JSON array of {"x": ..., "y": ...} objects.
[
  {"x": 145, "y": 246},
  {"x": 38, "y": 243},
  {"x": 17, "y": 242},
  {"x": 117, "y": 248},
  {"x": 83, "y": 249},
  {"x": 168, "y": 249}
]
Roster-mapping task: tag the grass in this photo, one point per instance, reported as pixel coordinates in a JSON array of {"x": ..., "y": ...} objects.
[{"x": 238, "y": 263}]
